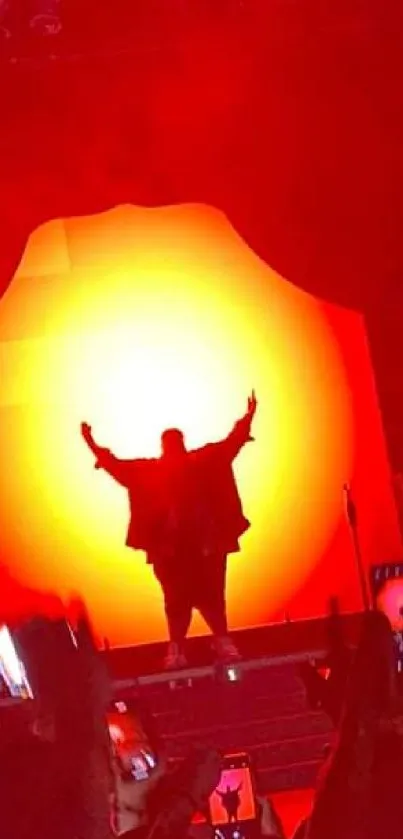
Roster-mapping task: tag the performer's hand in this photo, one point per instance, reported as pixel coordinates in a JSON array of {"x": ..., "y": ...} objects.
[
  {"x": 208, "y": 776},
  {"x": 252, "y": 404},
  {"x": 199, "y": 775},
  {"x": 86, "y": 430}
]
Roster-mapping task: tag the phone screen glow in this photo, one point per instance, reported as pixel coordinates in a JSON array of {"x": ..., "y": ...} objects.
[
  {"x": 11, "y": 668},
  {"x": 233, "y": 801}
]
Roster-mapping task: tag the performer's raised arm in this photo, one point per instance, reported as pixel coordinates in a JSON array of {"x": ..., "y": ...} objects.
[
  {"x": 117, "y": 468},
  {"x": 241, "y": 432}
]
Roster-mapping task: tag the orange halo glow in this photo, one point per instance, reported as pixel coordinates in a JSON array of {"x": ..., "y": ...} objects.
[{"x": 135, "y": 320}]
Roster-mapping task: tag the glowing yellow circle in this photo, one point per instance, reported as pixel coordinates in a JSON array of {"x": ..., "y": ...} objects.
[{"x": 145, "y": 319}]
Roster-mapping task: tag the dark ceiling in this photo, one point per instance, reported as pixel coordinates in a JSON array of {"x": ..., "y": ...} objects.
[{"x": 285, "y": 114}]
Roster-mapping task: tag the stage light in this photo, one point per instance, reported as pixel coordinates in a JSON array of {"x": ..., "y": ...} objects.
[
  {"x": 46, "y": 20},
  {"x": 225, "y": 673},
  {"x": 232, "y": 674}
]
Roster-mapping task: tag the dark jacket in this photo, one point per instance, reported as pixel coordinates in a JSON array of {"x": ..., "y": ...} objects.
[{"x": 210, "y": 480}]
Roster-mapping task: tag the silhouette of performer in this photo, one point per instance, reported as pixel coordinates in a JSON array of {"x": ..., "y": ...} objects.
[
  {"x": 186, "y": 514},
  {"x": 231, "y": 802}
]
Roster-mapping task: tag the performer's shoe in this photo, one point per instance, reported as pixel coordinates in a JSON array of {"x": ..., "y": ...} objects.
[
  {"x": 226, "y": 650},
  {"x": 175, "y": 659}
]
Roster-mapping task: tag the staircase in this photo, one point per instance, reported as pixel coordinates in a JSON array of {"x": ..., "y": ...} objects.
[{"x": 263, "y": 712}]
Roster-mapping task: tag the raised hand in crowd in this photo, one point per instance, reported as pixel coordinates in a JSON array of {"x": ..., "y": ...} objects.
[
  {"x": 56, "y": 778},
  {"x": 359, "y": 793}
]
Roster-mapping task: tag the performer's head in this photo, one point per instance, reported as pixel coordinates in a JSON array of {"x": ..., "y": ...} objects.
[{"x": 172, "y": 443}]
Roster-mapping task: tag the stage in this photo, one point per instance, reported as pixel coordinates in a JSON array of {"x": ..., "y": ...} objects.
[
  {"x": 267, "y": 645},
  {"x": 258, "y": 705}
]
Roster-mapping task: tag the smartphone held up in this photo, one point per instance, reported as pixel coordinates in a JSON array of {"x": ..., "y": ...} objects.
[
  {"x": 233, "y": 804},
  {"x": 12, "y": 670}
]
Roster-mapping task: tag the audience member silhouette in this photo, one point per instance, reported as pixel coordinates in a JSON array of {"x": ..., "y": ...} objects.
[
  {"x": 56, "y": 779},
  {"x": 327, "y": 692},
  {"x": 359, "y": 793}
]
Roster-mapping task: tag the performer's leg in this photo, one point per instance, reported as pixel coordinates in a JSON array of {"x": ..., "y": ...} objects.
[
  {"x": 179, "y": 615},
  {"x": 211, "y": 601},
  {"x": 212, "y": 604},
  {"x": 178, "y": 610}
]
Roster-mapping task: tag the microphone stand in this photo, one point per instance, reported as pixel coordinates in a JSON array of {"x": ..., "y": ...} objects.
[{"x": 351, "y": 513}]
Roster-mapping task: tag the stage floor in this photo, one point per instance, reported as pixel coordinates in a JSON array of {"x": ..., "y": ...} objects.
[{"x": 280, "y": 641}]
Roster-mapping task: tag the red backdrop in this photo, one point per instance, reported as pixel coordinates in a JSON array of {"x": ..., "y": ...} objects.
[{"x": 286, "y": 116}]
